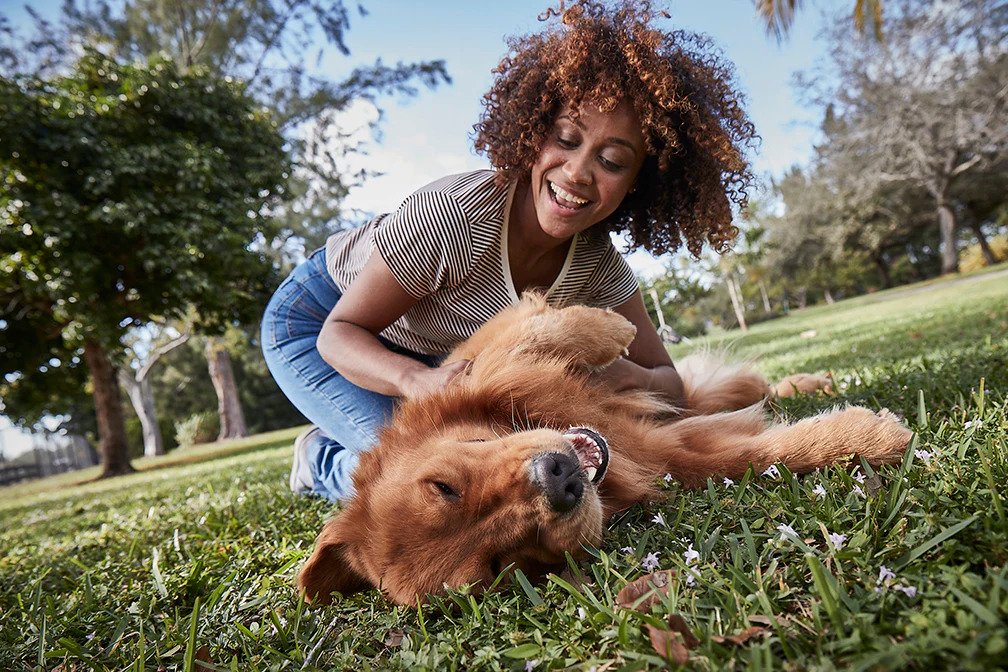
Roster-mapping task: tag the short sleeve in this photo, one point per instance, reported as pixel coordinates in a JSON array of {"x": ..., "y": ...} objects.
[
  {"x": 426, "y": 242},
  {"x": 613, "y": 282}
]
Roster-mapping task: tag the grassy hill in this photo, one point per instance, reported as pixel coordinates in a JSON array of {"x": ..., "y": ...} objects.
[{"x": 188, "y": 564}]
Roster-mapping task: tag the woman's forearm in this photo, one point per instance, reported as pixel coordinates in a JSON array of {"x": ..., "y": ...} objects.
[
  {"x": 663, "y": 380},
  {"x": 362, "y": 359}
]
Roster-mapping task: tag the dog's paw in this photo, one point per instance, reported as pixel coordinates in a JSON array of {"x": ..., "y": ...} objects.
[
  {"x": 804, "y": 383},
  {"x": 880, "y": 437}
]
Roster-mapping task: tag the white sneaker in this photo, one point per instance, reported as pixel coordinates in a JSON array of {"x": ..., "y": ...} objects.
[{"x": 301, "y": 479}]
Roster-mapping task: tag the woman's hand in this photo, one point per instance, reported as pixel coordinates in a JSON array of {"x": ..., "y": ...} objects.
[
  {"x": 428, "y": 380},
  {"x": 624, "y": 375}
]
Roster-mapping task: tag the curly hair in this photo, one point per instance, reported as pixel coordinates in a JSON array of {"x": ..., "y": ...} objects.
[{"x": 695, "y": 128}]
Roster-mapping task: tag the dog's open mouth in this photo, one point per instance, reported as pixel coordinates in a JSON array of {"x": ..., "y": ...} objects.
[{"x": 592, "y": 451}]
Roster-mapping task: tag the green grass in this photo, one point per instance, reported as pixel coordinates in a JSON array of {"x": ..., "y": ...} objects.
[{"x": 192, "y": 559}]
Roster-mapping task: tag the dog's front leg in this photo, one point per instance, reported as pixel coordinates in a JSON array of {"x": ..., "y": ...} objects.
[{"x": 590, "y": 337}]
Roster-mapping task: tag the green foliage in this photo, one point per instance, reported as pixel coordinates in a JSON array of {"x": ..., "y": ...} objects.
[
  {"x": 129, "y": 192},
  {"x": 197, "y": 428},
  {"x": 135, "y": 573}
]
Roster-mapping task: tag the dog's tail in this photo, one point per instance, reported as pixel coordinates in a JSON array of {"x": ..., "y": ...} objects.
[{"x": 712, "y": 384}]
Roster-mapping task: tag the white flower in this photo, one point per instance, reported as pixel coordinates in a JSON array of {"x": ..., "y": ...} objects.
[
  {"x": 819, "y": 491},
  {"x": 668, "y": 478},
  {"x": 923, "y": 456},
  {"x": 650, "y": 562},
  {"x": 909, "y": 591},
  {"x": 691, "y": 556},
  {"x": 884, "y": 574},
  {"x": 786, "y": 530},
  {"x": 629, "y": 550},
  {"x": 859, "y": 477},
  {"x": 728, "y": 482},
  {"x": 772, "y": 471},
  {"x": 978, "y": 423},
  {"x": 581, "y": 613},
  {"x": 837, "y": 540},
  {"x": 530, "y": 665},
  {"x": 659, "y": 518},
  {"x": 858, "y": 490}
]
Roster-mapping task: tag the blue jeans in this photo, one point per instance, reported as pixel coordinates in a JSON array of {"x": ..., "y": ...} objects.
[{"x": 349, "y": 416}]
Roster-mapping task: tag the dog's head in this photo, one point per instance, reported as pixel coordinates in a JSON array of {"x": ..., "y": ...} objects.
[{"x": 452, "y": 504}]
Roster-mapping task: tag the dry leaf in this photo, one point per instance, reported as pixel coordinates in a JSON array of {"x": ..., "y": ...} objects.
[
  {"x": 742, "y": 637},
  {"x": 760, "y": 620},
  {"x": 645, "y": 591},
  {"x": 675, "y": 642},
  {"x": 394, "y": 637},
  {"x": 203, "y": 656}
]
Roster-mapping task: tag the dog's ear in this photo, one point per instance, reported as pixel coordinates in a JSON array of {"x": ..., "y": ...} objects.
[{"x": 329, "y": 569}]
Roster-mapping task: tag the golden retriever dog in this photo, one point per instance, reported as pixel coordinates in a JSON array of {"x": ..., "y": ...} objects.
[{"x": 525, "y": 457}]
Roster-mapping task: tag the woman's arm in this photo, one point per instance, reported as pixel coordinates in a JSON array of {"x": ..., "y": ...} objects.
[
  {"x": 349, "y": 343},
  {"x": 648, "y": 365}
]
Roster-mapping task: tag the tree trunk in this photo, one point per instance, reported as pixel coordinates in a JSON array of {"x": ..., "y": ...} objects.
[
  {"x": 765, "y": 297},
  {"x": 736, "y": 301},
  {"x": 108, "y": 408},
  {"x": 142, "y": 397},
  {"x": 801, "y": 297},
  {"x": 883, "y": 269},
  {"x": 232, "y": 419},
  {"x": 828, "y": 295},
  {"x": 988, "y": 253},
  {"x": 949, "y": 244}
]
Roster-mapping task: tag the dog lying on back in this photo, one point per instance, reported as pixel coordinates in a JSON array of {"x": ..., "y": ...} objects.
[{"x": 524, "y": 458}]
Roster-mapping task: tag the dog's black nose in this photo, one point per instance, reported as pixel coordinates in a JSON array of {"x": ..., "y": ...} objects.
[{"x": 560, "y": 478}]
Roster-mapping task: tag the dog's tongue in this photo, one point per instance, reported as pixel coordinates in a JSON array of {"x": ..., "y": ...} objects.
[{"x": 592, "y": 450}]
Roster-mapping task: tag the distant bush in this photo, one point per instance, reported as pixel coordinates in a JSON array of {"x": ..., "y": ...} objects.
[{"x": 197, "y": 428}]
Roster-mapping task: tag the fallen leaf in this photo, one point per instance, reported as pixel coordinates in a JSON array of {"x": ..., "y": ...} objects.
[
  {"x": 203, "y": 657},
  {"x": 760, "y": 620},
  {"x": 649, "y": 589},
  {"x": 675, "y": 642},
  {"x": 394, "y": 637},
  {"x": 742, "y": 637}
]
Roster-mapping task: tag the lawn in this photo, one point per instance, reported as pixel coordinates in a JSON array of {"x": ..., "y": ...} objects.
[{"x": 189, "y": 564}]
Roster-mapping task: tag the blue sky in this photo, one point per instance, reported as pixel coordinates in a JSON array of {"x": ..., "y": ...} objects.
[{"x": 428, "y": 136}]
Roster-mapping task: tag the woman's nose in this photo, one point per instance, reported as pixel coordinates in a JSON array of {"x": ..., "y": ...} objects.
[{"x": 577, "y": 169}]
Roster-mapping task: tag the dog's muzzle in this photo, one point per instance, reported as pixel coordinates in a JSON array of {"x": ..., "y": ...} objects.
[{"x": 564, "y": 474}]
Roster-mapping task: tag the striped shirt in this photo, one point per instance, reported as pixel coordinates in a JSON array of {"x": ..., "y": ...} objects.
[{"x": 447, "y": 246}]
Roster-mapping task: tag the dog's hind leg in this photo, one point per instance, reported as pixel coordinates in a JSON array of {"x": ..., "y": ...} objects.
[{"x": 726, "y": 444}]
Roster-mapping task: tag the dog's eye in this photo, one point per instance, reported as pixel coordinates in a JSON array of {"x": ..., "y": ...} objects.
[{"x": 446, "y": 491}]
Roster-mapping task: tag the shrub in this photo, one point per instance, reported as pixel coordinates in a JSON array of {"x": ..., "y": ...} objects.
[{"x": 197, "y": 428}]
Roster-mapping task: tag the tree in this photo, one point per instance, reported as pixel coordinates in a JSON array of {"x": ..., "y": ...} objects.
[
  {"x": 130, "y": 192},
  {"x": 138, "y": 385},
  {"x": 264, "y": 44},
  {"x": 778, "y": 15},
  {"x": 927, "y": 105}
]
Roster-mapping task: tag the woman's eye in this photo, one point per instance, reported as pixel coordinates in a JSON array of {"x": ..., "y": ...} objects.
[
  {"x": 447, "y": 491},
  {"x": 565, "y": 143},
  {"x": 610, "y": 165}
]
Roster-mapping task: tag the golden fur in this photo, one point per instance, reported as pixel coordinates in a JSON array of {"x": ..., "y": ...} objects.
[{"x": 405, "y": 533}]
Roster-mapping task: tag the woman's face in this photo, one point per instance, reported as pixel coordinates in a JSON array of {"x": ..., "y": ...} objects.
[{"x": 585, "y": 168}]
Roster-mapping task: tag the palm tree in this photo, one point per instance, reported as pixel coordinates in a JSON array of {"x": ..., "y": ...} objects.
[{"x": 779, "y": 15}]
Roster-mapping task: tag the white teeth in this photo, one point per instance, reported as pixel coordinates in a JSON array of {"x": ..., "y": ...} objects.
[
  {"x": 590, "y": 473},
  {"x": 566, "y": 195}
]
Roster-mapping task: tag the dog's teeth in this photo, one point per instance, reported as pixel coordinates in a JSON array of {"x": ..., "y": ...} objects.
[{"x": 590, "y": 473}]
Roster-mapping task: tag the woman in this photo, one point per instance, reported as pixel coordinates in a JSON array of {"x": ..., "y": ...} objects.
[{"x": 599, "y": 124}]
